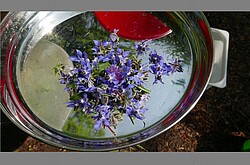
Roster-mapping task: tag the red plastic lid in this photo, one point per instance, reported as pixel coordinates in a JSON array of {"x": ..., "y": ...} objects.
[{"x": 133, "y": 25}]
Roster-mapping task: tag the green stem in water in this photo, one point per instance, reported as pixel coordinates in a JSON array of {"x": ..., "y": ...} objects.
[{"x": 143, "y": 89}]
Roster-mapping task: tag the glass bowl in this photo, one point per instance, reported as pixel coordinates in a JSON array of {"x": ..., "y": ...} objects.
[{"x": 31, "y": 96}]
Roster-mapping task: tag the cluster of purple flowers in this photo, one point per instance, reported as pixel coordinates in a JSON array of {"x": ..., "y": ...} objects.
[
  {"x": 111, "y": 83},
  {"x": 158, "y": 66}
]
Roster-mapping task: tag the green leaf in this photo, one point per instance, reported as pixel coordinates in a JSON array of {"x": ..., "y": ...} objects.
[
  {"x": 143, "y": 89},
  {"x": 246, "y": 146},
  {"x": 100, "y": 67},
  {"x": 144, "y": 124},
  {"x": 56, "y": 69},
  {"x": 76, "y": 96},
  {"x": 103, "y": 66},
  {"x": 71, "y": 85},
  {"x": 132, "y": 120}
]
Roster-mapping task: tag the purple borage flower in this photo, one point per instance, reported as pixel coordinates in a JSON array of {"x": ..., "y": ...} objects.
[
  {"x": 159, "y": 69},
  {"x": 101, "y": 46},
  {"x": 64, "y": 78},
  {"x": 80, "y": 58},
  {"x": 114, "y": 38},
  {"x": 103, "y": 118},
  {"x": 136, "y": 110},
  {"x": 154, "y": 58},
  {"x": 111, "y": 82},
  {"x": 82, "y": 103},
  {"x": 176, "y": 65},
  {"x": 142, "y": 47},
  {"x": 114, "y": 74}
]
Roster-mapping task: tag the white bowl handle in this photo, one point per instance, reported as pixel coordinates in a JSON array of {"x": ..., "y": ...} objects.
[{"x": 220, "y": 57}]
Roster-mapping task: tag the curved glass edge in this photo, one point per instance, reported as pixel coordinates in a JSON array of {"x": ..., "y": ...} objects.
[{"x": 196, "y": 90}]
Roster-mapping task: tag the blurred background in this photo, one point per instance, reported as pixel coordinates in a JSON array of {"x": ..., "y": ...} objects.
[{"x": 219, "y": 122}]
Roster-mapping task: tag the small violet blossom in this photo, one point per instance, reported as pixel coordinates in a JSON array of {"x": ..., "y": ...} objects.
[
  {"x": 142, "y": 47},
  {"x": 136, "y": 110}
]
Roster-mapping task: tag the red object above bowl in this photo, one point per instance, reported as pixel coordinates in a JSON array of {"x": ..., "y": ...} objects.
[{"x": 133, "y": 25}]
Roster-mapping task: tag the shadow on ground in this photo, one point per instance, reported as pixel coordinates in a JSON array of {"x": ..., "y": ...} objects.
[{"x": 11, "y": 136}]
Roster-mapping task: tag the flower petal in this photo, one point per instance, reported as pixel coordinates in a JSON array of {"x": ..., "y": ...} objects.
[
  {"x": 79, "y": 53},
  {"x": 74, "y": 59},
  {"x": 98, "y": 125}
]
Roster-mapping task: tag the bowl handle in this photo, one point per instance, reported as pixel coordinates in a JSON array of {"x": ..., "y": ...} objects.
[{"x": 220, "y": 58}]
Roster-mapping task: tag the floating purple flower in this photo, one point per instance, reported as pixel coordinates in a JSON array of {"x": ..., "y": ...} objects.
[
  {"x": 73, "y": 104},
  {"x": 136, "y": 111},
  {"x": 154, "y": 57},
  {"x": 166, "y": 68},
  {"x": 158, "y": 67},
  {"x": 100, "y": 47},
  {"x": 110, "y": 56},
  {"x": 82, "y": 75},
  {"x": 102, "y": 120},
  {"x": 176, "y": 65},
  {"x": 114, "y": 38},
  {"x": 80, "y": 56},
  {"x": 142, "y": 47},
  {"x": 121, "y": 56},
  {"x": 81, "y": 103},
  {"x": 103, "y": 117},
  {"x": 126, "y": 68},
  {"x": 159, "y": 70},
  {"x": 115, "y": 74},
  {"x": 90, "y": 89},
  {"x": 64, "y": 78},
  {"x": 139, "y": 78},
  {"x": 127, "y": 90}
]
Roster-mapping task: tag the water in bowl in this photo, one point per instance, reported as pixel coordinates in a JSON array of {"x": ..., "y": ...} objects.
[{"x": 46, "y": 97}]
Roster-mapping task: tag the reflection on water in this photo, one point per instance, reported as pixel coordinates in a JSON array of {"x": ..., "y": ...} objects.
[
  {"x": 39, "y": 86},
  {"x": 81, "y": 125},
  {"x": 79, "y": 33}
]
